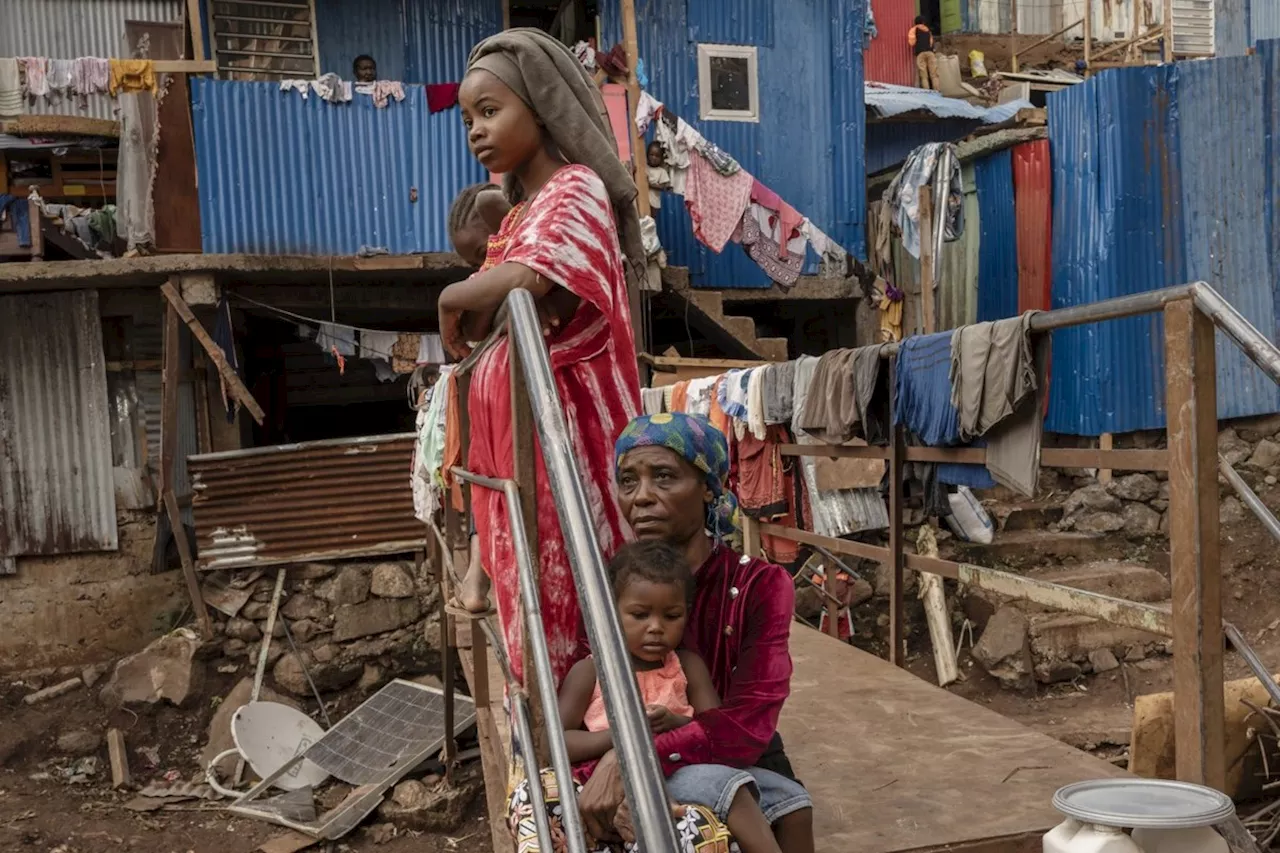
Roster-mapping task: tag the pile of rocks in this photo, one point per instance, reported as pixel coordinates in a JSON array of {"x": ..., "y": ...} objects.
[{"x": 354, "y": 623}]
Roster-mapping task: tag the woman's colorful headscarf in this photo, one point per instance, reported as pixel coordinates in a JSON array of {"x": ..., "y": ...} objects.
[{"x": 702, "y": 446}]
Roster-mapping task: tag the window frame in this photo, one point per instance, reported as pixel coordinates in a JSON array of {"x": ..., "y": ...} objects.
[{"x": 709, "y": 51}]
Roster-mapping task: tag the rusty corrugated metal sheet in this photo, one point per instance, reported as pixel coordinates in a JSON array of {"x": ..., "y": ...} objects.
[
  {"x": 888, "y": 58},
  {"x": 1033, "y": 193},
  {"x": 57, "y": 494},
  {"x": 319, "y": 500}
]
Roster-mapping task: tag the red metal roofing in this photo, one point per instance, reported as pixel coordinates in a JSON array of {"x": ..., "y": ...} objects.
[
  {"x": 889, "y": 59},
  {"x": 1032, "y": 188}
]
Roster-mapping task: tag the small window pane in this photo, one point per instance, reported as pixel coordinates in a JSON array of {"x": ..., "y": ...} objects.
[{"x": 730, "y": 83}]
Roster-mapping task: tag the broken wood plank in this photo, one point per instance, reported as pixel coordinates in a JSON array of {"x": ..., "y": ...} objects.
[
  {"x": 61, "y": 125},
  {"x": 185, "y": 66},
  {"x": 53, "y": 692},
  {"x": 934, "y": 596},
  {"x": 219, "y": 358},
  {"x": 120, "y": 775}
]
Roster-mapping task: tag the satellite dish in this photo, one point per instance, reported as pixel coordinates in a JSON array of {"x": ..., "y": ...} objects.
[{"x": 268, "y": 734}]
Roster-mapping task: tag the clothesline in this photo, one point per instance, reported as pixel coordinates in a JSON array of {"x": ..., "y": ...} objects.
[{"x": 305, "y": 319}]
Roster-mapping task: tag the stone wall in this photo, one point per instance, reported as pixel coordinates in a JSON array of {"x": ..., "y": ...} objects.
[
  {"x": 76, "y": 609},
  {"x": 354, "y": 623}
]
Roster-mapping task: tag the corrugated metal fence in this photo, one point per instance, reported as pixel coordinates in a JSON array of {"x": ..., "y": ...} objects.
[
  {"x": 283, "y": 175},
  {"x": 1159, "y": 174},
  {"x": 888, "y": 58}
]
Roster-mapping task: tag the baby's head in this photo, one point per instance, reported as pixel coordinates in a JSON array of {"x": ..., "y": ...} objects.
[
  {"x": 655, "y": 155},
  {"x": 653, "y": 587},
  {"x": 475, "y": 216}
]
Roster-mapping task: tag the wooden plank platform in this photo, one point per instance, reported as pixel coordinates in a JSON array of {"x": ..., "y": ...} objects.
[{"x": 897, "y": 764}]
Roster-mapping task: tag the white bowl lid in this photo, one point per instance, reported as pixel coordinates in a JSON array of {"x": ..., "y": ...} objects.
[{"x": 1143, "y": 803}]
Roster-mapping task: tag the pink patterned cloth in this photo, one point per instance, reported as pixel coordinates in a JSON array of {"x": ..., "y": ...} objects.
[
  {"x": 37, "y": 71},
  {"x": 716, "y": 203}
]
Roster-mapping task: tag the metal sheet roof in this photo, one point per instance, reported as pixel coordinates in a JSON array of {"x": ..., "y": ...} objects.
[
  {"x": 1158, "y": 175},
  {"x": 887, "y": 100},
  {"x": 57, "y": 493},
  {"x": 998, "y": 244},
  {"x": 321, "y": 178},
  {"x": 1032, "y": 187},
  {"x": 319, "y": 500}
]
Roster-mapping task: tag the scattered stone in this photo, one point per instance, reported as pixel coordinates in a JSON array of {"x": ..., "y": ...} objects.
[
  {"x": 219, "y": 736},
  {"x": 1094, "y": 498},
  {"x": 234, "y": 648},
  {"x": 304, "y": 606},
  {"x": 1232, "y": 447},
  {"x": 311, "y": 571},
  {"x": 277, "y": 630},
  {"x": 1057, "y": 671},
  {"x": 274, "y": 652},
  {"x": 884, "y": 577},
  {"x": 243, "y": 629},
  {"x": 439, "y": 808},
  {"x": 1270, "y": 480},
  {"x": 290, "y": 676},
  {"x": 860, "y": 592},
  {"x": 1004, "y": 650},
  {"x": 1140, "y": 520},
  {"x": 348, "y": 586},
  {"x": 1135, "y": 487},
  {"x": 1103, "y": 660},
  {"x": 1265, "y": 456},
  {"x": 165, "y": 670},
  {"x": 79, "y": 742},
  {"x": 1232, "y": 511},
  {"x": 1135, "y": 654},
  {"x": 304, "y": 630},
  {"x": 91, "y": 674},
  {"x": 374, "y": 648},
  {"x": 1072, "y": 637},
  {"x": 326, "y": 653},
  {"x": 391, "y": 580},
  {"x": 255, "y": 611},
  {"x": 371, "y": 678},
  {"x": 375, "y": 616},
  {"x": 1260, "y": 428},
  {"x": 1099, "y": 522}
]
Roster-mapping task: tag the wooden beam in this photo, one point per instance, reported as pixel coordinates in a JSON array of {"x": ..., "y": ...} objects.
[
  {"x": 170, "y": 381},
  {"x": 185, "y": 66},
  {"x": 119, "y": 756},
  {"x": 1191, "y": 404},
  {"x": 897, "y": 502},
  {"x": 216, "y": 355},
  {"x": 60, "y": 125},
  {"x": 1104, "y": 444},
  {"x": 195, "y": 26},
  {"x": 1050, "y": 457}
]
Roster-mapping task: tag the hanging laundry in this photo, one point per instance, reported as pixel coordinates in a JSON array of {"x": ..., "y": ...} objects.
[
  {"x": 652, "y": 401},
  {"x": 764, "y": 251},
  {"x": 332, "y": 88},
  {"x": 732, "y": 394},
  {"x": 61, "y": 76},
  {"x": 442, "y": 96},
  {"x": 777, "y": 392},
  {"x": 18, "y": 212},
  {"x": 995, "y": 389},
  {"x": 90, "y": 75},
  {"x": 648, "y": 107},
  {"x": 716, "y": 203},
  {"x": 132, "y": 75},
  {"x": 666, "y": 131},
  {"x": 340, "y": 340},
  {"x": 755, "y": 404},
  {"x": 847, "y": 398},
  {"x": 679, "y": 397},
  {"x": 722, "y": 162},
  {"x": 715, "y": 413},
  {"x": 586, "y": 54},
  {"x": 224, "y": 336},
  {"x": 429, "y": 450},
  {"x": 431, "y": 350},
  {"x": 889, "y": 300},
  {"x": 903, "y": 195},
  {"x": 701, "y": 392},
  {"x": 382, "y": 91},
  {"x": 789, "y": 219},
  {"x": 302, "y": 87},
  {"x": 924, "y": 404},
  {"x": 404, "y": 354},
  {"x": 376, "y": 346},
  {"x": 613, "y": 63},
  {"x": 869, "y": 29},
  {"x": 11, "y": 101},
  {"x": 36, "y": 73}
]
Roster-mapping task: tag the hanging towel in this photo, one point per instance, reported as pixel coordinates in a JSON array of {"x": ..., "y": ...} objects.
[
  {"x": 431, "y": 350},
  {"x": 302, "y": 87},
  {"x": 332, "y": 337},
  {"x": 18, "y": 212},
  {"x": 442, "y": 96},
  {"x": 11, "y": 101},
  {"x": 377, "y": 345},
  {"x": 716, "y": 203},
  {"x": 37, "y": 70},
  {"x": 382, "y": 91},
  {"x": 90, "y": 75},
  {"x": 777, "y": 392},
  {"x": 332, "y": 88},
  {"x": 651, "y": 400},
  {"x": 789, "y": 220},
  {"x": 61, "y": 72}
]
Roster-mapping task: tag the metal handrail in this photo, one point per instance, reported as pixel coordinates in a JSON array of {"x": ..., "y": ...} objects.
[{"x": 633, "y": 742}]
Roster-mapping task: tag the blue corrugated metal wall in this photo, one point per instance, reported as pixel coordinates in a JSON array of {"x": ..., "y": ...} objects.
[
  {"x": 1230, "y": 27},
  {"x": 809, "y": 143},
  {"x": 889, "y": 142},
  {"x": 280, "y": 175},
  {"x": 1264, "y": 20},
  {"x": 998, "y": 244},
  {"x": 1155, "y": 172},
  {"x": 417, "y": 41},
  {"x": 1269, "y": 56}
]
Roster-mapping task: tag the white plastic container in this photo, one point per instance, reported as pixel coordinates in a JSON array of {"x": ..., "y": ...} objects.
[
  {"x": 1201, "y": 839},
  {"x": 1059, "y": 838},
  {"x": 1094, "y": 838},
  {"x": 968, "y": 519}
]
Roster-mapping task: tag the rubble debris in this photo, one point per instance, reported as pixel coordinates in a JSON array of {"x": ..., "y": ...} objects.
[
  {"x": 82, "y": 771},
  {"x": 289, "y": 842},
  {"x": 1103, "y": 660},
  {"x": 391, "y": 580},
  {"x": 376, "y": 616},
  {"x": 121, "y": 777},
  {"x": 429, "y": 808},
  {"x": 349, "y": 586},
  {"x": 79, "y": 742},
  {"x": 1135, "y": 487},
  {"x": 179, "y": 791},
  {"x": 53, "y": 692},
  {"x": 1004, "y": 651},
  {"x": 166, "y": 670},
  {"x": 1265, "y": 456},
  {"x": 92, "y": 673},
  {"x": 290, "y": 674}
]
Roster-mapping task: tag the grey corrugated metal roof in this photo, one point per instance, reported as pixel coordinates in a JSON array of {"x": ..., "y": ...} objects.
[
  {"x": 57, "y": 495},
  {"x": 887, "y": 100}
]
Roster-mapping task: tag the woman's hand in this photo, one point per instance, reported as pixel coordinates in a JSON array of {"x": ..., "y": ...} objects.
[
  {"x": 626, "y": 829},
  {"x": 452, "y": 336},
  {"x": 600, "y": 798},
  {"x": 661, "y": 719}
]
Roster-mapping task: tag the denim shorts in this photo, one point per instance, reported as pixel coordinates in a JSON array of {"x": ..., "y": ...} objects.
[{"x": 714, "y": 786}]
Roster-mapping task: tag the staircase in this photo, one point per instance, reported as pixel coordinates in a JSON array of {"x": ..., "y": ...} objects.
[{"x": 735, "y": 336}]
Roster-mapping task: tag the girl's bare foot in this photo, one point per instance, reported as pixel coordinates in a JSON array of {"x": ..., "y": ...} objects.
[{"x": 473, "y": 593}]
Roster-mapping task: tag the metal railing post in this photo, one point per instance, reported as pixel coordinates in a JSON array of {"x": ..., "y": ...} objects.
[{"x": 1191, "y": 406}]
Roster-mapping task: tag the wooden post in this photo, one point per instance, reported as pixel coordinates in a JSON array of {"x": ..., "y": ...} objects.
[
  {"x": 1191, "y": 403},
  {"x": 1168, "y": 30},
  {"x": 525, "y": 467},
  {"x": 927, "y": 261},
  {"x": 1104, "y": 443},
  {"x": 833, "y": 602},
  {"x": 170, "y": 380},
  {"x": 492, "y": 756},
  {"x": 751, "y": 544},
  {"x": 1013, "y": 34},
  {"x": 196, "y": 27},
  {"x": 1135, "y": 51},
  {"x": 897, "y": 615},
  {"x": 233, "y": 382},
  {"x": 1088, "y": 34},
  {"x": 630, "y": 43}
]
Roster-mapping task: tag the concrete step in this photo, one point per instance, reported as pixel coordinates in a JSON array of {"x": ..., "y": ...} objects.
[
  {"x": 1025, "y": 516},
  {"x": 1035, "y": 547}
]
